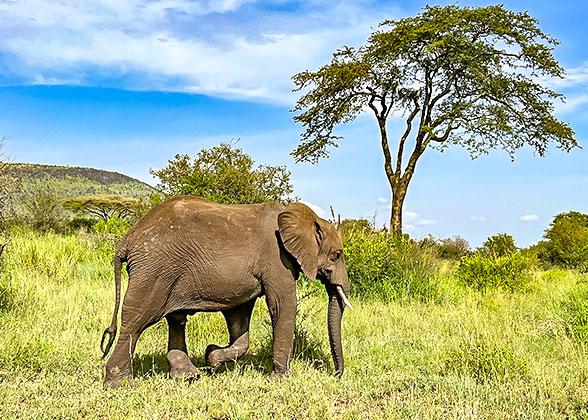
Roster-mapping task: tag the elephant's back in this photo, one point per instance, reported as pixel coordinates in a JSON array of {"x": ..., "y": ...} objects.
[{"x": 196, "y": 223}]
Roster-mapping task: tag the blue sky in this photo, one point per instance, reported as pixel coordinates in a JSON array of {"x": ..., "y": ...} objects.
[{"x": 124, "y": 86}]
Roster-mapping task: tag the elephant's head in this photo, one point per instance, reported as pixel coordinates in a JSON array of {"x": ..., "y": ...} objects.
[{"x": 316, "y": 246}]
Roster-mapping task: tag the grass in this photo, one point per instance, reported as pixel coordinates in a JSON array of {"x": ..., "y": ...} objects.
[{"x": 464, "y": 355}]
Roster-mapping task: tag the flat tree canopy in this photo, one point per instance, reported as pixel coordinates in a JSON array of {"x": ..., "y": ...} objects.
[
  {"x": 103, "y": 206},
  {"x": 225, "y": 175},
  {"x": 457, "y": 75}
]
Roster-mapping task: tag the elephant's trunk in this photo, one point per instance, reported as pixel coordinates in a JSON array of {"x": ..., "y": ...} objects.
[{"x": 335, "y": 313}]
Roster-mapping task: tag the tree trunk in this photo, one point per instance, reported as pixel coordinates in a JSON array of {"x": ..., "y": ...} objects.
[{"x": 398, "y": 195}]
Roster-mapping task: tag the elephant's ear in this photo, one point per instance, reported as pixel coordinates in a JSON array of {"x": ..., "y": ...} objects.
[{"x": 301, "y": 233}]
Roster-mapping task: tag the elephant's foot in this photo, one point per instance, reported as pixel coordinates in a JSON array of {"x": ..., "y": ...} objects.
[
  {"x": 213, "y": 356},
  {"x": 180, "y": 365},
  {"x": 115, "y": 378}
]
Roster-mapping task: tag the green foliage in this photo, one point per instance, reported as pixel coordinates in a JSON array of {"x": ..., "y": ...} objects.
[
  {"x": 575, "y": 308},
  {"x": 452, "y": 248},
  {"x": 43, "y": 210},
  {"x": 567, "y": 241},
  {"x": 459, "y": 75},
  {"x": 471, "y": 85},
  {"x": 225, "y": 175},
  {"x": 349, "y": 227},
  {"x": 500, "y": 245},
  {"x": 105, "y": 206},
  {"x": 382, "y": 267},
  {"x": 484, "y": 271},
  {"x": 66, "y": 182},
  {"x": 115, "y": 226}
]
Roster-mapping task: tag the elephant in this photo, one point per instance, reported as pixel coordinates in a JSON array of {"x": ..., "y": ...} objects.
[{"x": 189, "y": 255}]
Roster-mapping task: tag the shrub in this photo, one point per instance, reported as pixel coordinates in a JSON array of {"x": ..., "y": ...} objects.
[
  {"x": 576, "y": 313},
  {"x": 383, "y": 267},
  {"x": 500, "y": 245},
  {"x": 567, "y": 241},
  {"x": 113, "y": 226},
  {"x": 43, "y": 211},
  {"x": 452, "y": 248},
  {"x": 483, "y": 271}
]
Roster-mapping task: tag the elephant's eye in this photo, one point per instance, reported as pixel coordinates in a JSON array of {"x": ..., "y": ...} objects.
[{"x": 337, "y": 255}]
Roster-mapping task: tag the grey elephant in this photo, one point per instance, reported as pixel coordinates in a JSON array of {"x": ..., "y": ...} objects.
[{"x": 189, "y": 255}]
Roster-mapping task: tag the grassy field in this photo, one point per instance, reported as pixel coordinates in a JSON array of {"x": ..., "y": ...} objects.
[{"x": 465, "y": 355}]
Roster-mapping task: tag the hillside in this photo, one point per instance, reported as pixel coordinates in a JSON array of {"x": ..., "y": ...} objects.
[{"x": 66, "y": 181}]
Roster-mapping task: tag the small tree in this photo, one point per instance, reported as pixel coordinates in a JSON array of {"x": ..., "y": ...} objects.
[
  {"x": 42, "y": 209},
  {"x": 453, "y": 248},
  {"x": 225, "y": 175},
  {"x": 499, "y": 245},
  {"x": 8, "y": 185},
  {"x": 104, "y": 206},
  {"x": 459, "y": 75},
  {"x": 567, "y": 240}
]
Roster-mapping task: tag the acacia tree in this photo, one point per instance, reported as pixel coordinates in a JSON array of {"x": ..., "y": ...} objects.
[
  {"x": 225, "y": 175},
  {"x": 105, "y": 206},
  {"x": 457, "y": 75}
]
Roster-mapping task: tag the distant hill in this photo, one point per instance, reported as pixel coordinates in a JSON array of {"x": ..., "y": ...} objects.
[{"x": 66, "y": 181}]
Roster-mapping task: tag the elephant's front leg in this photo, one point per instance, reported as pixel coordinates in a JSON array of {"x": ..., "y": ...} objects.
[
  {"x": 177, "y": 352},
  {"x": 281, "y": 302},
  {"x": 238, "y": 319}
]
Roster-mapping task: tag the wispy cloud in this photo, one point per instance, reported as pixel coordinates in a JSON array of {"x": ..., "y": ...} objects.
[
  {"x": 234, "y": 48},
  {"x": 478, "y": 218},
  {"x": 382, "y": 200},
  {"x": 529, "y": 218},
  {"x": 424, "y": 222}
]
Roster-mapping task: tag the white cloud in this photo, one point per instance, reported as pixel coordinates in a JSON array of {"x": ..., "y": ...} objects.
[
  {"x": 382, "y": 200},
  {"x": 318, "y": 210},
  {"x": 410, "y": 214},
  {"x": 423, "y": 222},
  {"x": 408, "y": 226},
  {"x": 529, "y": 218},
  {"x": 180, "y": 45},
  {"x": 478, "y": 218}
]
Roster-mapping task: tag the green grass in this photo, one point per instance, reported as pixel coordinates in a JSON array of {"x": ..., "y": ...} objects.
[{"x": 464, "y": 355}]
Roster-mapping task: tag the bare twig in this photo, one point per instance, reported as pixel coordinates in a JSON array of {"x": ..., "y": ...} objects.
[{"x": 4, "y": 244}]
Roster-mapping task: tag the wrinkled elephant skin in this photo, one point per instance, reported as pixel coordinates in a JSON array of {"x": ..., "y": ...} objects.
[{"x": 189, "y": 255}]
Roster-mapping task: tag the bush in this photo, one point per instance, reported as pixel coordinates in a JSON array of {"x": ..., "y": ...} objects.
[
  {"x": 566, "y": 242},
  {"x": 383, "y": 267},
  {"x": 42, "y": 210},
  {"x": 114, "y": 226},
  {"x": 576, "y": 313},
  {"x": 500, "y": 245},
  {"x": 452, "y": 248},
  {"x": 482, "y": 271}
]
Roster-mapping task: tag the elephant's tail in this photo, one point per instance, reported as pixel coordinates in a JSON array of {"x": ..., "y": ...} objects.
[{"x": 111, "y": 330}]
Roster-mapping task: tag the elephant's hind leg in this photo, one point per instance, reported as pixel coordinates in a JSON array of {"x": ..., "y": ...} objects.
[
  {"x": 119, "y": 365},
  {"x": 177, "y": 352},
  {"x": 238, "y": 319}
]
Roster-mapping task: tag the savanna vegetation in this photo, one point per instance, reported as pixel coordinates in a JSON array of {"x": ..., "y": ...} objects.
[
  {"x": 465, "y": 76},
  {"x": 439, "y": 330},
  {"x": 422, "y": 342}
]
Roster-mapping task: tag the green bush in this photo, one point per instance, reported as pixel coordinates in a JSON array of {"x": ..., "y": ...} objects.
[
  {"x": 452, "y": 248},
  {"x": 383, "y": 267},
  {"x": 114, "y": 226},
  {"x": 576, "y": 313},
  {"x": 500, "y": 245},
  {"x": 566, "y": 242},
  {"x": 482, "y": 271}
]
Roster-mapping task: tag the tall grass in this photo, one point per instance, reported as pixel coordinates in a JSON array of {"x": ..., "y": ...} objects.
[
  {"x": 383, "y": 267},
  {"x": 497, "y": 354}
]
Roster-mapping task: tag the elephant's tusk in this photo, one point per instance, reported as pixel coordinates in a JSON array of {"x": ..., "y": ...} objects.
[{"x": 343, "y": 297}]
